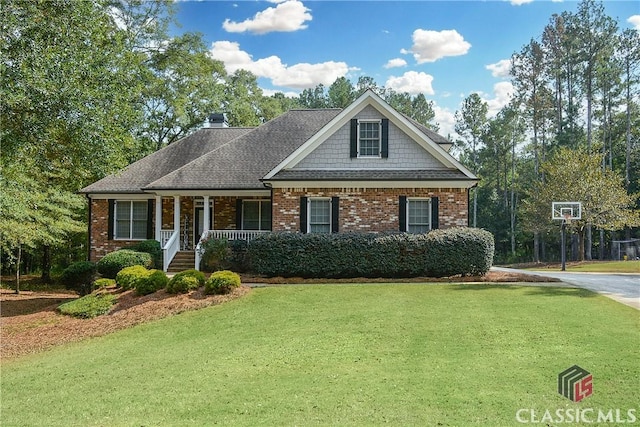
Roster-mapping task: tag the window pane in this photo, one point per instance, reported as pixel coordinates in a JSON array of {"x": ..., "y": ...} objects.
[
  {"x": 265, "y": 220},
  {"x": 123, "y": 210},
  {"x": 369, "y": 139},
  {"x": 122, "y": 229},
  {"x": 419, "y": 213},
  {"x": 139, "y": 230},
  {"x": 140, "y": 211},
  {"x": 250, "y": 215},
  {"x": 320, "y": 216}
]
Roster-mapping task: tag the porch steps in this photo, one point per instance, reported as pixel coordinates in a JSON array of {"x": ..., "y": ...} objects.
[{"x": 184, "y": 260}]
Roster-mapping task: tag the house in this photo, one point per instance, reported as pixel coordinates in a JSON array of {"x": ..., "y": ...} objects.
[{"x": 363, "y": 168}]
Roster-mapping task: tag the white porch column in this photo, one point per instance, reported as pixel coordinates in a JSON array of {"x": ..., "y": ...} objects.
[
  {"x": 176, "y": 214},
  {"x": 206, "y": 220},
  {"x": 158, "y": 218}
]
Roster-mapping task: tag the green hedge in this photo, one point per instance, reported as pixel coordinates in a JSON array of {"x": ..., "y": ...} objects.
[
  {"x": 439, "y": 253},
  {"x": 221, "y": 282},
  {"x": 223, "y": 254},
  {"x": 186, "y": 281},
  {"x": 153, "y": 248},
  {"x": 88, "y": 306},
  {"x": 142, "y": 280},
  {"x": 79, "y": 277},
  {"x": 113, "y": 262}
]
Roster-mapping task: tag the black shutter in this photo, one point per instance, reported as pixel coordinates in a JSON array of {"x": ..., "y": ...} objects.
[
  {"x": 435, "y": 223},
  {"x": 335, "y": 214},
  {"x": 354, "y": 138},
  {"x": 384, "y": 150},
  {"x": 110, "y": 219},
  {"x": 238, "y": 214},
  {"x": 303, "y": 214},
  {"x": 402, "y": 213},
  {"x": 150, "y": 219}
]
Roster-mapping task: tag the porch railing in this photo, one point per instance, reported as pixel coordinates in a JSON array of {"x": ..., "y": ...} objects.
[
  {"x": 165, "y": 235},
  {"x": 170, "y": 249},
  {"x": 225, "y": 234}
]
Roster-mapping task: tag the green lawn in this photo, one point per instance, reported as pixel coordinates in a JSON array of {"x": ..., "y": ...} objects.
[
  {"x": 433, "y": 355},
  {"x": 596, "y": 267}
]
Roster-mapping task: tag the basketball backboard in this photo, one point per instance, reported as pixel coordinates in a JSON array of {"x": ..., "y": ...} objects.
[{"x": 566, "y": 210}]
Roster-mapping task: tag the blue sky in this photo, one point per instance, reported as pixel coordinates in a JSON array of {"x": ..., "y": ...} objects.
[{"x": 444, "y": 49}]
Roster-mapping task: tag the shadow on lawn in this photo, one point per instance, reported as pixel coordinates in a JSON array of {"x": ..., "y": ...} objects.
[{"x": 551, "y": 291}]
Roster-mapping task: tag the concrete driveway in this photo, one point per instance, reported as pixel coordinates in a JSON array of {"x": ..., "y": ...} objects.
[{"x": 622, "y": 287}]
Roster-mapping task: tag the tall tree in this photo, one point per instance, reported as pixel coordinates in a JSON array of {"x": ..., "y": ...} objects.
[
  {"x": 576, "y": 175},
  {"x": 471, "y": 122},
  {"x": 314, "y": 98},
  {"x": 341, "y": 93},
  {"x": 629, "y": 55}
]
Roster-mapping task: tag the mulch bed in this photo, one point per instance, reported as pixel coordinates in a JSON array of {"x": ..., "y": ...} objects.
[{"x": 29, "y": 322}]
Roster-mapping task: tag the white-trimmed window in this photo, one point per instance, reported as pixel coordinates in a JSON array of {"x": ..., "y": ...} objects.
[
  {"x": 369, "y": 138},
  {"x": 256, "y": 215},
  {"x": 418, "y": 215},
  {"x": 130, "y": 218},
  {"x": 319, "y": 212}
]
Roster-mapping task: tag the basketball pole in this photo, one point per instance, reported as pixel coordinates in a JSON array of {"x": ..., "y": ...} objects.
[{"x": 563, "y": 243}]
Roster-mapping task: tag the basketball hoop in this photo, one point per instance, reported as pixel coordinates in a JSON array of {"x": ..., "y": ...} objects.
[{"x": 565, "y": 211}]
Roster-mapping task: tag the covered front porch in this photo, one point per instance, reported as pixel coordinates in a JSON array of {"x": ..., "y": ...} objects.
[{"x": 185, "y": 222}]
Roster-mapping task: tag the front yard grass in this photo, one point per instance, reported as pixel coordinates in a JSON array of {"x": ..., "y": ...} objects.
[{"x": 449, "y": 355}]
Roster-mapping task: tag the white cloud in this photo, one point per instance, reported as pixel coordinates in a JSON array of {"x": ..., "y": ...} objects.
[
  {"x": 287, "y": 16},
  {"x": 635, "y": 21},
  {"x": 411, "y": 82},
  {"x": 502, "y": 94},
  {"x": 395, "y": 63},
  {"x": 298, "y": 76},
  {"x": 520, "y": 2},
  {"x": 500, "y": 68},
  {"x": 288, "y": 94},
  {"x": 446, "y": 120},
  {"x": 429, "y": 46}
]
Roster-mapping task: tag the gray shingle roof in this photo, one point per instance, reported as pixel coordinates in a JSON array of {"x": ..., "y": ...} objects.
[
  {"x": 369, "y": 175},
  {"x": 435, "y": 137},
  {"x": 238, "y": 158},
  {"x": 156, "y": 165},
  {"x": 242, "y": 163}
]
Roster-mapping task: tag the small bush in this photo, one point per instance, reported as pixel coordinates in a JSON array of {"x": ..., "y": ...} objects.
[
  {"x": 153, "y": 248},
  {"x": 103, "y": 283},
  {"x": 223, "y": 254},
  {"x": 186, "y": 281},
  {"x": 221, "y": 282},
  {"x": 88, "y": 306},
  {"x": 154, "y": 281},
  {"x": 128, "y": 276},
  {"x": 115, "y": 261},
  {"x": 79, "y": 277}
]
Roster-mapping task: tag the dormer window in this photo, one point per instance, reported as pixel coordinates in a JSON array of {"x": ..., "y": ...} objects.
[{"x": 369, "y": 138}]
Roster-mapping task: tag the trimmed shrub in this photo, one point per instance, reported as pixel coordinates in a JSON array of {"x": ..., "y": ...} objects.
[
  {"x": 439, "y": 253},
  {"x": 186, "y": 281},
  {"x": 221, "y": 282},
  {"x": 128, "y": 276},
  {"x": 151, "y": 247},
  {"x": 103, "y": 283},
  {"x": 214, "y": 254},
  {"x": 79, "y": 277},
  {"x": 154, "y": 281},
  {"x": 88, "y": 306},
  {"x": 115, "y": 261}
]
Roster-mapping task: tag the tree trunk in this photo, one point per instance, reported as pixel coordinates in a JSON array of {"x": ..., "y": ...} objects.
[
  {"x": 582, "y": 236},
  {"x": 536, "y": 246},
  {"x": 18, "y": 261},
  {"x": 46, "y": 264},
  {"x": 601, "y": 251},
  {"x": 586, "y": 244}
]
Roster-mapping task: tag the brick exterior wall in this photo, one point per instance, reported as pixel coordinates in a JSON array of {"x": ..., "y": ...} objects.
[
  {"x": 100, "y": 245},
  {"x": 371, "y": 209}
]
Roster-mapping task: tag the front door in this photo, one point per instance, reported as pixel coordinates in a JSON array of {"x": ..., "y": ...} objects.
[{"x": 199, "y": 224}]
